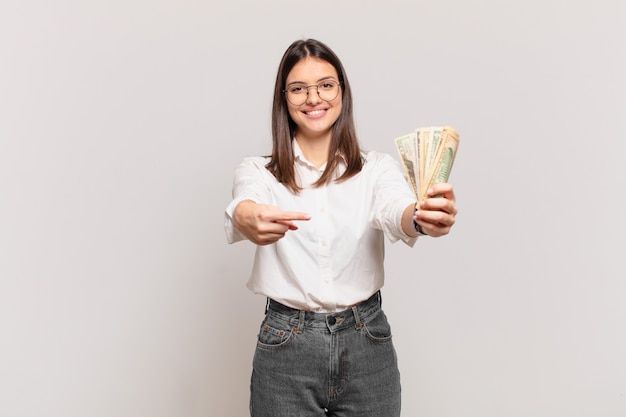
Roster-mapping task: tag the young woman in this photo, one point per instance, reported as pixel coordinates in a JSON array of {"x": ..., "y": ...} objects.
[{"x": 319, "y": 209}]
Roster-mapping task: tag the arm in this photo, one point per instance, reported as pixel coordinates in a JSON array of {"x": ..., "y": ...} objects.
[{"x": 244, "y": 218}]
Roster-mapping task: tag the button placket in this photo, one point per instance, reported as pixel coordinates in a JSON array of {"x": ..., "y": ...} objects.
[{"x": 323, "y": 232}]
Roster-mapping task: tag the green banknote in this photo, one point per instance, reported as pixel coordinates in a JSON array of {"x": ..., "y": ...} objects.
[{"x": 408, "y": 155}]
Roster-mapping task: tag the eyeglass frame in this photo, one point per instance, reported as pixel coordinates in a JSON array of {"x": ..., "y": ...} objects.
[{"x": 317, "y": 90}]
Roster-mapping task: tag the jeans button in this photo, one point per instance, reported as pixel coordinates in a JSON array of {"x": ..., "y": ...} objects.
[{"x": 332, "y": 320}]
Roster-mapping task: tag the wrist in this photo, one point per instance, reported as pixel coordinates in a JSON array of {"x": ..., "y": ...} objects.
[{"x": 416, "y": 225}]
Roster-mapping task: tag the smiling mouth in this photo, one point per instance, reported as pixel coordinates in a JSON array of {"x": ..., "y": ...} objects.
[{"x": 315, "y": 112}]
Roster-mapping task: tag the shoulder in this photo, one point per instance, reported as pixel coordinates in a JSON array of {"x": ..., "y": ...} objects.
[
  {"x": 255, "y": 163},
  {"x": 377, "y": 159},
  {"x": 252, "y": 166},
  {"x": 258, "y": 161}
]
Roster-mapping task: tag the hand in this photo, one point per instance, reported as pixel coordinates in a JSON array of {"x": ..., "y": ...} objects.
[
  {"x": 436, "y": 215},
  {"x": 264, "y": 224}
]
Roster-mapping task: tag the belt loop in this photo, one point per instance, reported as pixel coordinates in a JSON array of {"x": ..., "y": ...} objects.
[
  {"x": 358, "y": 325},
  {"x": 301, "y": 321}
]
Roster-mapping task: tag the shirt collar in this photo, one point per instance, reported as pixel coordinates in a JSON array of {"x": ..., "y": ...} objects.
[{"x": 300, "y": 158}]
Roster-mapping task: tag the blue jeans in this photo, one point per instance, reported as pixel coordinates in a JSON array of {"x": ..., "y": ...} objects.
[{"x": 315, "y": 364}]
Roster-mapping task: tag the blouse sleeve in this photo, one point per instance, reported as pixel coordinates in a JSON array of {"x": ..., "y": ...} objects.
[
  {"x": 249, "y": 183},
  {"x": 392, "y": 194}
]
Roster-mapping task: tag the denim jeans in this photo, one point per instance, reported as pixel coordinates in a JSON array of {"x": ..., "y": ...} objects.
[{"x": 315, "y": 364}]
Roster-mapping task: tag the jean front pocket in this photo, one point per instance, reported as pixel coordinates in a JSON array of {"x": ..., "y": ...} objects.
[{"x": 378, "y": 328}]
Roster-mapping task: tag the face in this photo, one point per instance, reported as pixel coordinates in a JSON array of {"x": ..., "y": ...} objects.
[{"x": 315, "y": 117}]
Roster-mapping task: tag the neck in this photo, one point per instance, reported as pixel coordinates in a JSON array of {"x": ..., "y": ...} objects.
[{"x": 315, "y": 151}]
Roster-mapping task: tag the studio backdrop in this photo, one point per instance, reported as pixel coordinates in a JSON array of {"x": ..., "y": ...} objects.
[{"x": 121, "y": 125}]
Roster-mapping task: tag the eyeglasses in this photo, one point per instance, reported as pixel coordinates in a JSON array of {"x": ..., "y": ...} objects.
[{"x": 298, "y": 93}]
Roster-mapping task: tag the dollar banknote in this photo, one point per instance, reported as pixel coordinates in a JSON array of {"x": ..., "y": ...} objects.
[
  {"x": 408, "y": 155},
  {"x": 427, "y": 155}
]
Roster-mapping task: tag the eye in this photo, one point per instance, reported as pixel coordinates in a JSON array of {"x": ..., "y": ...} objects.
[
  {"x": 327, "y": 85},
  {"x": 297, "y": 89}
]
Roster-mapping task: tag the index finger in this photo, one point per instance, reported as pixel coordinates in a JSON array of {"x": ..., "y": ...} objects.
[
  {"x": 289, "y": 215},
  {"x": 442, "y": 189}
]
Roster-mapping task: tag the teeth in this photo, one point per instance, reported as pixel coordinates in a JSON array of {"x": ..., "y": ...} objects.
[{"x": 315, "y": 112}]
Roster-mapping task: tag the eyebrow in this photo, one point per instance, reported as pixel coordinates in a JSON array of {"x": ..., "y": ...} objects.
[{"x": 329, "y": 77}]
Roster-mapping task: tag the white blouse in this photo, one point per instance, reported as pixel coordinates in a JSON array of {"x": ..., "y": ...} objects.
[{"x": 335, "y": 259}]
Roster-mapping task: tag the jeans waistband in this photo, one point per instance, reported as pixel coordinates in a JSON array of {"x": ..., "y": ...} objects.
[{"x": 354, "y": 316}]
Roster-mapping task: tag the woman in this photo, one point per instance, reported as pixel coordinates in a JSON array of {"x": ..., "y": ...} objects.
[{"x": 319, "y": 209}]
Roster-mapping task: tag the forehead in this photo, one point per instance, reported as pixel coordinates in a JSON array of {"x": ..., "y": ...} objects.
[{"x": 311, "y": 70}]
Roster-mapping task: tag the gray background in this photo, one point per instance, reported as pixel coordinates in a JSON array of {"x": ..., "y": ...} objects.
[{"x": 121, "y": 123}]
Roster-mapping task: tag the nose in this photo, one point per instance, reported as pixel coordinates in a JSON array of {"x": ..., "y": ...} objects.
[{"x": 312, "y": 98}]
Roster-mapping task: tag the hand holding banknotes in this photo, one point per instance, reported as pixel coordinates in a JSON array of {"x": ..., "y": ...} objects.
[{"x": 427, "y": 155}]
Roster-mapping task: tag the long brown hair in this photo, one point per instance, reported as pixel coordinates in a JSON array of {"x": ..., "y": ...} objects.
[{"x": 344, "y": 143}]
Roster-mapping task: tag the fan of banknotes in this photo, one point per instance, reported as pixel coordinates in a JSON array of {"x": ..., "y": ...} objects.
[{"x": 427, "y": 155}]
